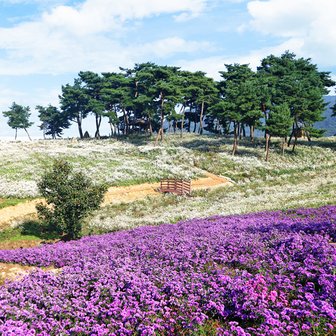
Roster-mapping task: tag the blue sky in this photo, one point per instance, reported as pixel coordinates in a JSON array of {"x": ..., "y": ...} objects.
[{"x": 45, "y": 43}]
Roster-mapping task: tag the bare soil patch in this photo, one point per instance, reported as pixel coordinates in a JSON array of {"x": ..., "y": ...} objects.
[
  {"x": 11, "y": 245},
  {"x": 14, "y": 272}
]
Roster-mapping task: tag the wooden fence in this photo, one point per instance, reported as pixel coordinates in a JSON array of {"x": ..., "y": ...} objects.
[{"x": 175, "y": 186}]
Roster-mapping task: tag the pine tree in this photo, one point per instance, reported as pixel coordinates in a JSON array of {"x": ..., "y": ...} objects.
[
  {"x": 18, "y": 118},
  {"x": 278, "y": 124}
]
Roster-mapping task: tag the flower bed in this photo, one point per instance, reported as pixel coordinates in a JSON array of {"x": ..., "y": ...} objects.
[{"x": 270, "y": 273}]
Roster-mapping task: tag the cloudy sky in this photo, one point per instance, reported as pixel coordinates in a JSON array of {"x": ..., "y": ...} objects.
[{"x": 45, "y": 43}]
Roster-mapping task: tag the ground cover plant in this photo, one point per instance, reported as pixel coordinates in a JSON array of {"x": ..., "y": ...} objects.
[
  {"x": 268, "y": 273},
  {"x": 105, "y": 161}
]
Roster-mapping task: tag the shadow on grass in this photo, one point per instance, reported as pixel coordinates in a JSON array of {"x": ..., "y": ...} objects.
[
  {"x": 138, "y": 139},
  {"x": 324, "y": 142},
  {"x": 38, "y": 230},
  {"x": 215, "y": 143}
]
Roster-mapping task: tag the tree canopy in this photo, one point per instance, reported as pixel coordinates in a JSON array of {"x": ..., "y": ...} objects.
[
  {"x": 53, "y": 121},
  {"x": 18, "y": 118}
]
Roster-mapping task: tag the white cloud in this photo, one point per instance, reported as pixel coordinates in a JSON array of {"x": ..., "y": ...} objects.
[
  {"x": 68, "y": 39},
  {"x": 212, "y": 65},
  {"x": 168, "y": 46},
  {"x": 310, "y": 23}
]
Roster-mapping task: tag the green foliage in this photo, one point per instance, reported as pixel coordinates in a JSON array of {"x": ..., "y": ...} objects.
[
  {"x": 239, "y": 93},
  {"x": 142, "y": 98},
  {"x": 279, "y": 121},
  {"x": 118, "y": 98},
  {"x": 92, "y": 85},
  {"x": 53, "y": 120},
  {"x": 18, "y": 117},
  {"x": 297, "y": 83},
  {"x": 70, "y": 197},
  {"x": 74, "y": 104}
]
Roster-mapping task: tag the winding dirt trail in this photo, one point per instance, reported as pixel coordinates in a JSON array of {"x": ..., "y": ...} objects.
[{"x": 114, "y": 195}]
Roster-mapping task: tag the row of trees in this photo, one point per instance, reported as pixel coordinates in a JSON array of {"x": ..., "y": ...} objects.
[{"x": 284, "y": 98}]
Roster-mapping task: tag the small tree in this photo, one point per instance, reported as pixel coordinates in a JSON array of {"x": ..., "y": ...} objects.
[
  {"x": 18, "y": 117},
  {"x": 278, "y": 124},
  {"x": 70, "y": 197}
]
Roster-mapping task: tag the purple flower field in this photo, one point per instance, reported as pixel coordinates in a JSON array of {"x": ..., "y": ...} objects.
[{"x": 270, "y": 273}]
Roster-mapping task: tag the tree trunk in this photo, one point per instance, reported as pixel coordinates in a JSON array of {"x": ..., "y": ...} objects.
[
  {"x": 162, "y": 116},
  {"x": 201, "y": 118},
  {"x": 150, "y": 126},
  {"x": 126, "y": 126},
  {"x": 295, "y": 135},
  {"x": 80, "y": 130},
  {"x": 28, "y": 134},
  {"x": 235, "y": 139},
  {"x": 267, "y": 146},
  {"x": 195, "y": 121},
  {"x": 308, "y": 136},
  {"x": 160, "y": 133},
  {"x": 294, "y": 144},
  {"x": 283, "y": 146},
  {"x": 98, "y": 122},
  {"x": 291, "y": 136},
  {"x": 182, "y": 121},
  {"x": 158, "y": 136},
  {"x": 15, "y": 133},
  {"x": 189, "y": 119},
  {"x": 252, "y": 133},
  {"x": 111, "y": 128},
  {"x": 263, "y": 109},
  {"x": 241, "y": 127}
]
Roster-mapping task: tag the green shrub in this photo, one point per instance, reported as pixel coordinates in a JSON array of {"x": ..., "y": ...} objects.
[{"x": 70, "y": 197}]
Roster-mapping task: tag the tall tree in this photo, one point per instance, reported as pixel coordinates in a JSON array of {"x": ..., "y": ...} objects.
[
  {"x": 74, "y": 103},
  {"x": 299, "y": 84},
  {"x": 188, "y": 94},
  {"x": 18, "y": 118},
  {"x": 118, "y": 97},
  {"x": 160, "y": 85},
  {"x": 198, "y": 92},
  {"x": 53, "y": 120},
  {"x": 240, "y": 103},
  {"x": 92, "y": 85},
  {"x": 207, "y": 95}
]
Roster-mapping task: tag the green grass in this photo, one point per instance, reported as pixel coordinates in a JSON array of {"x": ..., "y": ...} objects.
[
  {"x": 29, "y": 230},
  {"x": 15, "y": 234},
  {"x": 6, "y": 202}
]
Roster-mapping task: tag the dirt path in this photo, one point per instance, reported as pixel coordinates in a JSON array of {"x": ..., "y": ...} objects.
[
  {"x": 13, "y": 272},
  {"x": 114, "y": 195},
  {"x": 117, "y": 195}
]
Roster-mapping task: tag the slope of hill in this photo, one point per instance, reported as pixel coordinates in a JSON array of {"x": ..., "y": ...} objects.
[{"x": 303, "y": 178}]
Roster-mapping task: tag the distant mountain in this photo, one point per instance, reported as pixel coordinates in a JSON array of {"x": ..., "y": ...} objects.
[{"x": 329, "y": 123}]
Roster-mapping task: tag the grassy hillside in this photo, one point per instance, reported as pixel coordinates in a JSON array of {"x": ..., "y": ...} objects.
[{"x": 304, "y": 178}]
